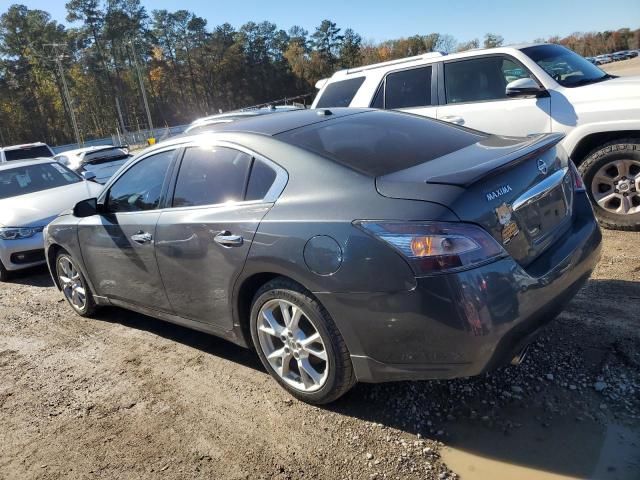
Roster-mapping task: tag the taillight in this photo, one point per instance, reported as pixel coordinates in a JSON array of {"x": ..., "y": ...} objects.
[
  {"x": 578, "y": 183},
  {"x": 433, "y": 247}
]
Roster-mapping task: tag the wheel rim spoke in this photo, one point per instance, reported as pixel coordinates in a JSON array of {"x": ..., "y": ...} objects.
[{"x": 292, "y": 345}]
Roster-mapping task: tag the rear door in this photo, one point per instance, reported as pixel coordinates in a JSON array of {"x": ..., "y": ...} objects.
[
  {"x": 410, "y": 90},
  {"x": 221, "y": 194},
  {"x": 472, "y": 93}
]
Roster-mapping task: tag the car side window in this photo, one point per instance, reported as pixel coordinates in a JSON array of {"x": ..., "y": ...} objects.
[
  {"x": 340, "y": 94},
  {"x": 140, "y": 187},
  {"x": 408, "y": 88},
  {"x": 260, "y": 181},
  {"x": 210, "y": 176},
  {"x": 480, "y": 79}
]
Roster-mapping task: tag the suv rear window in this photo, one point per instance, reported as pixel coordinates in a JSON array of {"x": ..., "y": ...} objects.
[
  {"x": 340, "y": 94},
  {"x": 381, "y": 142},
  {"x": 27, "y": 153}
]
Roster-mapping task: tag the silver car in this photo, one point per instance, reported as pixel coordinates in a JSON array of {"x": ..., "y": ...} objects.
[{"x": 32, "y": 193}]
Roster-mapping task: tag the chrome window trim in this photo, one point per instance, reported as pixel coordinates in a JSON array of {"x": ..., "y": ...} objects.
[{"x": 277, "y": 187}]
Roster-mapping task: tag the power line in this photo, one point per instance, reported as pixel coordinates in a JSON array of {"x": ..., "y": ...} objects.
[
  {"x": 141, "y": 81},
  {"x": 57, "y": 58}
]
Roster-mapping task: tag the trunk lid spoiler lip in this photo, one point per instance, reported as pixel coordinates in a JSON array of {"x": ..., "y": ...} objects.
[{"x": 445, "y": 172}]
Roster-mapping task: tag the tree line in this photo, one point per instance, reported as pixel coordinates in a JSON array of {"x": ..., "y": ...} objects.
[{"x": 188, "y": 68}]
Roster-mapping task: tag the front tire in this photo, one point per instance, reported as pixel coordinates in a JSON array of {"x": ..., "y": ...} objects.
[
  {"x": 4, "y": 273},
  {"x": 74, "y": 286},
  {"x": 299, "y": 344},
  {"x": 611, "y": 176}
]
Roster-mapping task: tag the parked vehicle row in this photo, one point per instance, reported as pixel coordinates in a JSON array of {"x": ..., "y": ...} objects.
[
  {"x": 519, "y": 91},
  {"x": 613, "y": 57}
]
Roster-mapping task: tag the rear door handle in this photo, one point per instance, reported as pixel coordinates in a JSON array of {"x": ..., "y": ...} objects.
[
  {"x": 454, "y": 119},
  {"x": 142, "y": 237},
  {"x": 227, "y": 239}
]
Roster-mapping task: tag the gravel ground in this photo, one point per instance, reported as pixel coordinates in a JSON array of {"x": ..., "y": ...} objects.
[{"x": 126, "y": 396}]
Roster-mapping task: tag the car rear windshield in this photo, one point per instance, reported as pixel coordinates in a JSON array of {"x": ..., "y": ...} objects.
[
  {"x": 34, "y": 178},
  {"x": 27, "y": 153},
  {"x": 104, "y": 155},
  {"x": 339, "y": 94},
  {"x": 381, "y": 142}
]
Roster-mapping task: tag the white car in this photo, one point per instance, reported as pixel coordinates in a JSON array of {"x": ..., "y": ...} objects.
[
  {"x": 32, "y": 193},
  {"x": 519, "y": 91},
  {"x": 97, "y": 163},
  {"x": 25, "y": 152}
]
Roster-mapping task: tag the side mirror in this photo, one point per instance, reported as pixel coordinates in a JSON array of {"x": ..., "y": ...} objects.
[
  {"x": 86, "y": 208},
  {"x": 524, "y": 87},
  {"x": 88, "y": 176}
]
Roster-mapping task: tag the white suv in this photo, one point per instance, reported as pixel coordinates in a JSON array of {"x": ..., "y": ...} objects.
[
  {"x": 25, "y": 151},
  {"x": 519, "y": 91}
]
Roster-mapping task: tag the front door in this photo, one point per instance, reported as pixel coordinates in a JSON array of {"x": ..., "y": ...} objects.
[
  {"x": 202, "y": 242},
  {"x": 118, "y": 245},
  {"x": 474, "y": 96}
]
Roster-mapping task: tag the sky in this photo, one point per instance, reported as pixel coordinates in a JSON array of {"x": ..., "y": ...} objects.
[{"x": 516, "y": 21}]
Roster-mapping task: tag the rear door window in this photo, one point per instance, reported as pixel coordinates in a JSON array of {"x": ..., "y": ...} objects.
[
  {"x": 480, "y": 79},
  {"x": 210, "y": 176},
  {"x": 340, "y": 94},
  {"x": 408, "y": 88}
]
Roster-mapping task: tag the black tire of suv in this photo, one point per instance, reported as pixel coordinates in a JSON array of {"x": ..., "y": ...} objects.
[
  {"x": 599, "y": 157},
  {"x": 90, "y": 306},
  {"x": 4, "y": 273},
  {"x": 341, "y": 377}
]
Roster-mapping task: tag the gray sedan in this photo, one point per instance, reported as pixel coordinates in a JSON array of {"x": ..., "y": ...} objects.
[
  {"x": 342, "y": 245},
  {"x": 32, "y": 193}
]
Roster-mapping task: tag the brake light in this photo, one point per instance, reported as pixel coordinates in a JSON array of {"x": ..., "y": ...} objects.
[
  {"x": 578, "y": 183},
  {"x": 433, "y": 248}
]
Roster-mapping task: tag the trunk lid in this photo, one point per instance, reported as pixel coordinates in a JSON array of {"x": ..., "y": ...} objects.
[{"x": 518, "y": 189}]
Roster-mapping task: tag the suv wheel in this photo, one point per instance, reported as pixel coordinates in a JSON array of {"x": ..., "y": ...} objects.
[
  {"x": 74, "y": 286},
  {"x": 611, "y": 175},
  {"x": 299, "y": 344}
]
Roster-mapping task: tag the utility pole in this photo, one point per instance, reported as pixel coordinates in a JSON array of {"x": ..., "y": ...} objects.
[
  {"x": 142, "y": 89},
  {"x": 57, "y": 57}
]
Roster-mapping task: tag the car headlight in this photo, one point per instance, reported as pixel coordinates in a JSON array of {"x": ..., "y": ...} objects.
[{"x": 18, "y": 233}]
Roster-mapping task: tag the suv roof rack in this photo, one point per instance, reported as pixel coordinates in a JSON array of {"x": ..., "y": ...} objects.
[{"x": 415, "y": 58}]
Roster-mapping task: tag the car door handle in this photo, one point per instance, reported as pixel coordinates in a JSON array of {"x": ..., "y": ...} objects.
[
  {"x": 454, "y": 119},
  {"x": 227, "y": 239},
  {"x": 142, "y": 237}
]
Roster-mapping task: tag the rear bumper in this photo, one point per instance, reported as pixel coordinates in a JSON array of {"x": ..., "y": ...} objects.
[
  {"x": 466, "y": 323},
  {"x": 21, "y": 254}
]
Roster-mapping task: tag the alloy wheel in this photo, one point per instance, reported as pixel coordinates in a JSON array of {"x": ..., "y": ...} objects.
[
  {"x": 292, "y": 345},
  {"x": 616, "y": 187},
  {"x": 71, "y": 283}
]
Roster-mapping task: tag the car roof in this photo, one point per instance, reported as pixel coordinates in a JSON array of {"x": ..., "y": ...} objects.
[
  {"x": 23, "y": 145},
  {"x": 247, "y": 113},
  {"x": 24, "y": 163},
  {"x": 94, "y": 148},
  {"x": 271, "y": 125}
]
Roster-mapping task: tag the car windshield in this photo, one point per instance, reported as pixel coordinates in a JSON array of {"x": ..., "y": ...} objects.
[
  {"x": 565, "y": 66},
  {"x": 34, "y": 178},
  {"x": 26, "y": 153}
]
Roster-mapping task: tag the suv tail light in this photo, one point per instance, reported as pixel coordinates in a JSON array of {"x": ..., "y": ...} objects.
[
  {"x": 577, "y": 178},
  {"x": 433, "y": 248}
]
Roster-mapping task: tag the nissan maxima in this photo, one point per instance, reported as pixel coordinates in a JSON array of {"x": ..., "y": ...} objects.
[{"x": 342, "y": 245}]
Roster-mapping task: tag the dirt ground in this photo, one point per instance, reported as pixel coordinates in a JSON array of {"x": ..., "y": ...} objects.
[
  {"x": 126, "y": 396},
  {"x": 623, "y": 68}
]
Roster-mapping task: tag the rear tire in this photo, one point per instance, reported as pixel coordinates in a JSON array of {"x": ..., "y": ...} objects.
[
  {"x": 74, "y": 286},
  {"x": 290, "y": 347},
  {"x": 611, "y": 176}
]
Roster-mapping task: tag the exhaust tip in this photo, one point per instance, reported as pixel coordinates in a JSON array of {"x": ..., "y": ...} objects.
[{"x": 520, "y": 356}]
